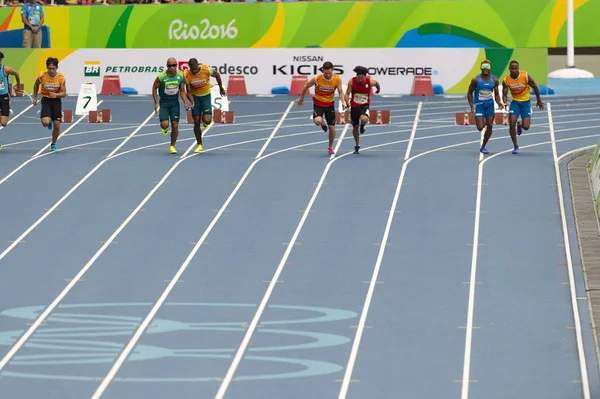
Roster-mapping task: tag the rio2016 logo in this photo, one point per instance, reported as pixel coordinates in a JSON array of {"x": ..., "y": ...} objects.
[{"x": 205, "y": 30}]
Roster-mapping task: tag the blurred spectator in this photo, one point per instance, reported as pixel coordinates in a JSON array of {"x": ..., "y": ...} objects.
[
  {"x": 18, "y": 3},
  {"x": 32, "y": 15}
]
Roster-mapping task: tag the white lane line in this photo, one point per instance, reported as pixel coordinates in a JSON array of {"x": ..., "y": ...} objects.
[
  {"x": 473, "y": 276},
  {"x": 17, "y": 116},
  {"x": 263, "y": 304},
  {"x": 60, "y": 201},
  {"x": 339, "y": 142},
  {"x": 21, "y": 341},
  {"x": 371, "y": 290},
  {"x": 60, "y": 135},
  {"x": 573, "y": 291},
  {"x": 37, "y": 154},
  {"x": 41, "y": 318},
  {"x": 112, "y": 129},
  {"x": 413, "y": 131},
  {"x": 146, "y": 322},
  {"x": 348, "y": 374},
  {"x": 285, "y": 114},
  {"x": 472, "y": 280}
]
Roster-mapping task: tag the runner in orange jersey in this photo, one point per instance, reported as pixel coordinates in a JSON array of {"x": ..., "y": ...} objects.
[
  {"x": 54, "y": 88},
  {"x": 325, "y": 84}
]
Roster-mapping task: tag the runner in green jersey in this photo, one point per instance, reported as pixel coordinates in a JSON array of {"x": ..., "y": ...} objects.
[{"x": 169, "y": 85}]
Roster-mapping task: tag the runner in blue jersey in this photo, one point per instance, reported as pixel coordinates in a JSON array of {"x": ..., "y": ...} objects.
[
  {"x": 483, "y": 90},
  {"x": 4, "y": 94}
]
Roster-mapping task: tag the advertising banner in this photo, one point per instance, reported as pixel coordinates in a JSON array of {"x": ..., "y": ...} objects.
[
  {"x": 265, "y": 69},
  {"x": 376, "y": 24}
]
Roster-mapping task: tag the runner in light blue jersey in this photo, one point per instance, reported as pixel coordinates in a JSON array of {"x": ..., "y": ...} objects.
[{"x": 5, "y": 72}]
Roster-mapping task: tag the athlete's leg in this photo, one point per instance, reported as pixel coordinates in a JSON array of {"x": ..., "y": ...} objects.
[
  {"x": 197, "y": 116},
  {"x": 480, "y": 123},
  {"x": 174, "y": 132},
  {"x": 55, "y": 119},
  {"x": 480, "y": 117},
  {"x": 46, "y": 114},
  {"x": 364, "y": 117},
  {"x": 4, "y": 111},
  {"x": 206, "y": 110},
  {"x": 356, "y": 119},
  {"x": 55, "y": 131},
  {"x": 514, "y": 111},
  {"x": 330, "y": 118},
  {"x": 489, "y": 114},
  {"x": 526, "y": 115},
  {"x": 318, "y": 113},
  {"x": 174, "y": 114},
  {"x": 46, "y": 118},
  {"x": 163, "y": 117}
]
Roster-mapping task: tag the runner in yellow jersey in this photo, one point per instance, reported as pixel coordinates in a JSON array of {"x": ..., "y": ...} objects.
[
  {"x": 53, "y": 88},
  {"x": 198, "y": 91},
  {"x": 325, "y": 84},
  {"x": 519, "y": 82}
]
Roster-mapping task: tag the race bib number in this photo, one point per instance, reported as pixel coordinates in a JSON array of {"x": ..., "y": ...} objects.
[
  {"x": 361, "y": 98},
  {"x": 171, "y": 91},
  {"x": 1, "y": 85},
  {"x": 485, "y": 95}
]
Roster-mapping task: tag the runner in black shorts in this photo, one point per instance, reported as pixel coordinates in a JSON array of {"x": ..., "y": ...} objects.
[
  {"x": 5, "y": 71},
  {"x": 53, "y": 89},
  {"x": 52, "y": 109},
  {"x": 361, "y": 87},
  {"x": 325, "y": 113},
  {"x": 325, "y": 84}
]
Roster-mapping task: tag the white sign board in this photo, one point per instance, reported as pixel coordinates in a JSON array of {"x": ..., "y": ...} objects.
[
  {"x": 87, "y": 100},
  {"x": 265, "y": 68}
]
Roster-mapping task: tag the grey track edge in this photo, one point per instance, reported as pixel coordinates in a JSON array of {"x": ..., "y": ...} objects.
[{"x": 588, "y": 236}]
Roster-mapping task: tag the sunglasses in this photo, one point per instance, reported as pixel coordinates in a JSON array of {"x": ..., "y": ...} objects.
[{"x": 171, "y": 65}]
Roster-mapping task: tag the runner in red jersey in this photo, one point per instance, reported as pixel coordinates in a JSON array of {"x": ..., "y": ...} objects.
[{"x": 360, "y": 87}]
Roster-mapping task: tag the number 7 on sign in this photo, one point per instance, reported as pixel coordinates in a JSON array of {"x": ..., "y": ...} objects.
[{"x": 87, "y": 99}]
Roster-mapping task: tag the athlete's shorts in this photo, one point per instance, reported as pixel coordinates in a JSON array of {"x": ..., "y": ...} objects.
[
  {"x": 520, "y": 108},
  {"x": 327, "y": 112},
  {"x": 202, "y": 105},
  {"x": 4, "y": 105},
  {"x": 169, "y": 110},
  {"x": 484, "y": 110},
  {"x": 51, "y": 108},
  {"x": 357, "y": 112}
]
